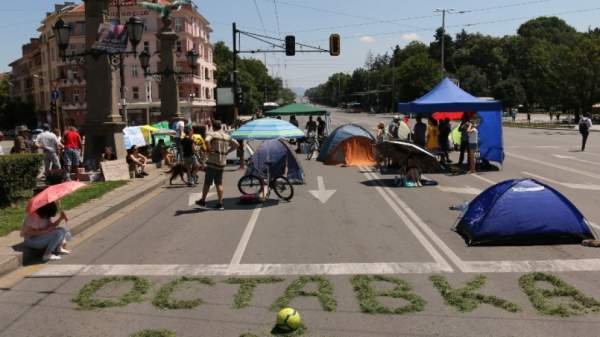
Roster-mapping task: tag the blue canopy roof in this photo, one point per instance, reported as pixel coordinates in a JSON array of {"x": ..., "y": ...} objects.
[{"x": 448, "y": 97}]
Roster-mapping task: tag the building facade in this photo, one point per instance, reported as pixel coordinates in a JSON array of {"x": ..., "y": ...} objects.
[{"x": 41, "y": 73}]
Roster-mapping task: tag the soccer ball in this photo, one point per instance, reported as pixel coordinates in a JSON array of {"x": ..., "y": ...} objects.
[{"x": 288, "y": 319}]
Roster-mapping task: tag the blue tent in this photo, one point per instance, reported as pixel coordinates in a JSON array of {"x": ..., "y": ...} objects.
[
  {"x": 279, "y": 154},
  {"x": 448, "y": 97},
  {"x": 522, "y": 211},
  {"x": 348, "y": 144}
]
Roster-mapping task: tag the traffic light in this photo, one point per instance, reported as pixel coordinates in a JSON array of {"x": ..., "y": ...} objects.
[
  {"x": 290, "y": 45},
  {"x": 334, "y": 44}
]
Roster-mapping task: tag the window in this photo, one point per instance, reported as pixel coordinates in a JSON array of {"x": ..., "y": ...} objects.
[
  {"x": 178, "y": 24},
  {"x": 206, "y": 74},
  {"x": 147, "y": 46},
  {"x": 134, "y": 70},
  {"x": 178, "y": 46},
  {"x": 197, "y": 92},
  {"x": 207, "y": 93},
  {"x": 136, "y": 92},
  {"x": 76, "y": 95}
]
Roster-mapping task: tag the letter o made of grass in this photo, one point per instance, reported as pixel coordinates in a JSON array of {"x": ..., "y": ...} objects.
[
  {"x": 85, "y": 299},
  {"x": 163, "y": 299}
]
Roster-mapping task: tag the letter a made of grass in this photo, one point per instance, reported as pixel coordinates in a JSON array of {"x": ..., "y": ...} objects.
[{"x": 324, "y": 293}]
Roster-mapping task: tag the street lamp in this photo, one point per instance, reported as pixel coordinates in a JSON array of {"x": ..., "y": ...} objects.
[
  {"x": 191, "y": 57},
  {"x": 62, "y": 32}
]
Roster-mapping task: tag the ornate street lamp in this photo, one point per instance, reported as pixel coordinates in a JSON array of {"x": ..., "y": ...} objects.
[
  {"x": 135, "y": 30},
  {"x": 62, "y": 33},
  {"x": 191, "y": 57}
]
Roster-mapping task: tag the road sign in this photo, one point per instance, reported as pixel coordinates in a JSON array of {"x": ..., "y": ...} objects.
[{"x": 55, "y": 95}]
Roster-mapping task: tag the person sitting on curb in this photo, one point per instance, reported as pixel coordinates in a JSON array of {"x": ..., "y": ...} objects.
[
  {"x": 137, "y": 162},
  {"x": 40, "y": 232}
]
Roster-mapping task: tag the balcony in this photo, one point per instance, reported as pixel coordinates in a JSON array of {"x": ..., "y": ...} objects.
[
  {"x": 74, "y": 105},
  {"x": 73, "y": 82}
]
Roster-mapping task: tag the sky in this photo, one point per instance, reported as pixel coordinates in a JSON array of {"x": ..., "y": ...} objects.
[{"x": 365, "y": 26}]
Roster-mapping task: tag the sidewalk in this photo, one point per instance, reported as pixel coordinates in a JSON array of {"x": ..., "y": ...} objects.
[{"x": 84, "y": 216}]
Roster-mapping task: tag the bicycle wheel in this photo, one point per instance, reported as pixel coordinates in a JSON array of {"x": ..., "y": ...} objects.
[
  {"x": 250, "y": 184},
  {"x": 283, "y": 188},
  {"x": 311, "y": 151}
]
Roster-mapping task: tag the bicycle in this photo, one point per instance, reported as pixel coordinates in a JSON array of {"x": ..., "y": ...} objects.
[
  {"x": 255, "y": 184},
  {"x": 313, "y": 144}
]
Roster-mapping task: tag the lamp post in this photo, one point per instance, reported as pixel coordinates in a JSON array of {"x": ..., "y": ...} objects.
[
  {"x": 103, "y": 124},
  {"x": 445, "y": 11}
]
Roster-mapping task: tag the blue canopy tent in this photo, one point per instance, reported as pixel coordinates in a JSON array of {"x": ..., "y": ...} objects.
[
  {"x": 279, "y": 154},
  {"x": 522, "y": 211},
  {"x": 448, "y": 97}
]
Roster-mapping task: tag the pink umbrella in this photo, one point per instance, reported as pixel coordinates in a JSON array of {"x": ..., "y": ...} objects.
[{"x": 51, "y": 194}]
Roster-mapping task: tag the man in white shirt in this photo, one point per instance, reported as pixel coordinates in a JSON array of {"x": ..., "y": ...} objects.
[
  {"x": 49, "y": 143},
  {"x": 585, "y": 124}
]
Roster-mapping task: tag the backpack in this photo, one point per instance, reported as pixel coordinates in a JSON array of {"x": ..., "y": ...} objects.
[{"x": 583, "y": 125}]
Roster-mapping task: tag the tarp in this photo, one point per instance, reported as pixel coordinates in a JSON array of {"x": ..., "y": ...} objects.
[
  {"x": 448, "y": 97},
  {"x": 133, "y": 136},
  {"x": 278, "y": 153},
  {"x": 297, "y": 109},
  {"x": 522, "y": 211},
  {"x": 350, "y": 145},
  {"x": 267, "y": 128}
]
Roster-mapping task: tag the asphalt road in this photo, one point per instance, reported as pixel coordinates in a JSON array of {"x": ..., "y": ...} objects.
[{"x": 367, "y": 226}]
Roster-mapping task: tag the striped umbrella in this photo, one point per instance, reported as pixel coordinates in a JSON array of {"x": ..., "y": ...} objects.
[{"x": 267, "y": 128}]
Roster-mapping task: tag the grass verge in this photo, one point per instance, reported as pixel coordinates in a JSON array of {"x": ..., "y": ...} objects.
[{"x": 11, "y": 218}]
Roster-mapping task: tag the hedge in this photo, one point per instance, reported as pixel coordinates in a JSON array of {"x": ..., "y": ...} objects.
[{"x": 18, "y": 173}]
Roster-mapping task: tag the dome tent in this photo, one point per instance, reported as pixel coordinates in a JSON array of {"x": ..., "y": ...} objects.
[
  {"x": 522, "y": 211},
  {"x": 279, "y": 154},
  {"x": 350, "y": 145}
]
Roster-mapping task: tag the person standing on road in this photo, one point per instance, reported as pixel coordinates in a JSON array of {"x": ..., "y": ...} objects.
[
  {"x": 419, "y": 132},
  {"x": 72, "y": 152},
  {"x": 473, "y": 135},
  {"x": 219, "y": 145},
  {"x": 321, "y": 127},
  {"x": 433, "y": 135},
  {"x": 190, "y": 160},
  {"x": 445, "y": 130},
  {"x": 464, "y": 138},
  {"x": 311, "y": 126},
  {"x": 585, "y": 124},
  {"x": 49, "y": 143},
  {"x": 293, "y": 120},
  {"x": 394, "y": 127}
]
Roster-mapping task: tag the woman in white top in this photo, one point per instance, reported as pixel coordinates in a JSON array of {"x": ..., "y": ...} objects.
[
  {"x": 473, "y": 136},
  {"x": 40, "y": 232}
]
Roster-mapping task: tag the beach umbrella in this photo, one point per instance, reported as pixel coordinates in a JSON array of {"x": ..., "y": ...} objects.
[
  {"x": 400, "y": 151},
  {"x": 51, "y": 194},
  {"x": 267, "y": 128}
]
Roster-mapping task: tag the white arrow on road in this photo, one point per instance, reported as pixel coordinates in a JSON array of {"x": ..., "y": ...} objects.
[
  {"x": 195, "y": 196},
  {"x": 322, "y": 194},
  {"x": 460, "y": 190},
  {"x": 576, "y": 159}
]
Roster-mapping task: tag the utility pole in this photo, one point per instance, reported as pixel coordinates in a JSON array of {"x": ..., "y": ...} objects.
[
  {"x": 444, "y": 11},
  {"x": 236, "y": 94}
]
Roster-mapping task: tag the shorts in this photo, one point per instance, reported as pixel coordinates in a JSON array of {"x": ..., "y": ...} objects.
[
  {"x": 472, "y": 146},
  {"x": 213, "y": 175},
  {"x": 191, "y": 161},
  {"x": 71, "y": 157}
]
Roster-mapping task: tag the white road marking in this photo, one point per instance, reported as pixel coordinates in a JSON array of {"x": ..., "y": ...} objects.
[
  {"x": 528, "y": 266},
  {"x": 560, "y": 167},
  {"x": 437, "y": 257},
  {"x": 459, "y": 190},
  {"x": 241, "y": 248},
  {"x": 66, "y": 270},
  {"x": 577, "y": 159},
  {"x": 569, "y": 185},
  {"x": 423, "y": 227},
  {"x": 322, "y": 194},
  {"x": 195, "y": 196},
  {"x": 491, "y": 182}
]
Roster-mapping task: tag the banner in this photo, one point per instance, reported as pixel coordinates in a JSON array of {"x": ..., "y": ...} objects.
[
  {"x": 133, "y": 136},
  {"x": 112, "y": 38}
]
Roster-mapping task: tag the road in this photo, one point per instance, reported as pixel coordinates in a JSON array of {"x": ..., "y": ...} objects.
[{"x": 366, "y": 227}]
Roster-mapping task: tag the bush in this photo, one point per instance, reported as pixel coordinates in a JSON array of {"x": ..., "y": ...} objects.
[{"x": 18, "y": 174}]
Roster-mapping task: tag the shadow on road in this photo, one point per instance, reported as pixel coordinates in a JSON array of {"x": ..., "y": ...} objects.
[{"x": 229, "y": 204}]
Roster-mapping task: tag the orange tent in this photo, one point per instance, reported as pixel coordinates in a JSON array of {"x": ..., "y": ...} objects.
[{"x": 348, "y": 145}]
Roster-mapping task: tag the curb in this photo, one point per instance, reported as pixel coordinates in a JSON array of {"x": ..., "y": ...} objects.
[
  {"x": 551, "y": 129},
  {"x": 14, "y": 260}
]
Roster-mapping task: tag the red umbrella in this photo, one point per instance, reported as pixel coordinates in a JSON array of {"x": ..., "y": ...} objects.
[{"x": 51, "y": 194}]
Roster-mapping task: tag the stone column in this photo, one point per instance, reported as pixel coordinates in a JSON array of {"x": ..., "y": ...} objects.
[
  {"x": 103, "y": 123},
  {"x": 169, "y": 89}
]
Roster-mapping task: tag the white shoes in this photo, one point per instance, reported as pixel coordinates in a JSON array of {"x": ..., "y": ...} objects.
[
  {"x": 50, "y": 257},
  {"x": 63, "y": 251}
]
